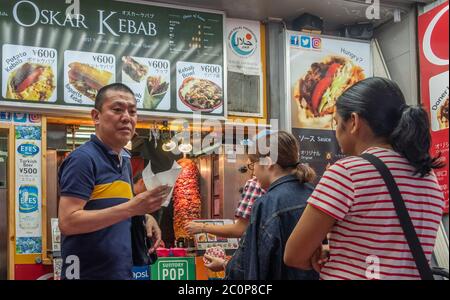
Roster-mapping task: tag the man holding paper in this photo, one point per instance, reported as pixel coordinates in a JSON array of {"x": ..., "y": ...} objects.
[
  {"x": 146, "y": 180},
  {"x": 97, "y": 202}
]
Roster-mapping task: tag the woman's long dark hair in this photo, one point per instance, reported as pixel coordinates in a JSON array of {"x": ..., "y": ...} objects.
[{"x": 381, "y": 103}]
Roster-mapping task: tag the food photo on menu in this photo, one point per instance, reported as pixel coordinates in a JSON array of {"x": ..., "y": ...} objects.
[
  {"x": 85, "y": 73},
  {"x": 155, "y": 91},
  {"x": 439, "y": 94},
  {"x": 324, "y": 69},
  {"x": 150, "y": 79},
  {"x": 199, "y": 88},
  {"x": 317, "y": 91},
  {"x": 133, "y": 69},
  {"x": 29, "y": 73},
  {"x": 31, "y": 82},
  {"x": 201, "y": 94},
  {"x": 88, "y": 80},
  {"x": 443, "y": 115}
]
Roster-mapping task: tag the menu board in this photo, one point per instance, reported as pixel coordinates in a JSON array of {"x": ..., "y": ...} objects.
[
  {"x": 57, "y": 56},
  {"x": 324, "y": 68}
]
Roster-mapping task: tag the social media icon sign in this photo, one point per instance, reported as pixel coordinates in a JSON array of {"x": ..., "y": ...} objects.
[
  {"x": 294, "y": 40},
  {"x": 317, "y": 43},
  {"x": 305, "y": 41}
]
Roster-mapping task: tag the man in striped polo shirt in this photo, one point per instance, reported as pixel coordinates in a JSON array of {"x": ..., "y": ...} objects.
[{"x": 97, "y": 202}]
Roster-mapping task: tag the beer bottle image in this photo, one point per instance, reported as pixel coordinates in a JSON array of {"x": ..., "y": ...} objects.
[{"x": 28, "y": 207}]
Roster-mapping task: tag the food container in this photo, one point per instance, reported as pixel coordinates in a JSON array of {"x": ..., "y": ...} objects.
[
  {"x": 163, "y": 252},
  {"x": 215, "y": 252},
  {"x": 179, "y": 252}
]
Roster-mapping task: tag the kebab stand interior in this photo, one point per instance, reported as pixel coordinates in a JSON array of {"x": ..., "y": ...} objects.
[{"x": 199, "y": 193}]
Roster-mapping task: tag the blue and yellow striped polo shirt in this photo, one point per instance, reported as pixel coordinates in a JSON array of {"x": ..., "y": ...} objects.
[{"x": 94, "y": 173}]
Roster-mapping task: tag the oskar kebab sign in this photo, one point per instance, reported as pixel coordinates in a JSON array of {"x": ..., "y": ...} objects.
[{"x": 70, "y": 18}]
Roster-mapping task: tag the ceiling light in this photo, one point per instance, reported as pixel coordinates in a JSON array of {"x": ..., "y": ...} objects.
[
  {"x": 185, "y": 148},
  {"x": 166, "y": 137}
]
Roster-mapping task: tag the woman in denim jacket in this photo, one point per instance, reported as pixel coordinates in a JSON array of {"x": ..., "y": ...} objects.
[{"x": 274, "y": 215}]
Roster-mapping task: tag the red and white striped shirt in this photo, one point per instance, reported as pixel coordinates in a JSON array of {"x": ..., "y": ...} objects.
[{"x": 367, "y": 233}]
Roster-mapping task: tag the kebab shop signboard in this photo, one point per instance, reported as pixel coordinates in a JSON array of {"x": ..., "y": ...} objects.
[
  {"x": 434, "y": 59},
  {"x": 324, "y": 68},
  {"x": 58, "y": 56}
]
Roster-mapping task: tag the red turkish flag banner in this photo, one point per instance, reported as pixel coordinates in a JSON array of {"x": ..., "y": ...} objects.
[{"x": 434, "y": 74}]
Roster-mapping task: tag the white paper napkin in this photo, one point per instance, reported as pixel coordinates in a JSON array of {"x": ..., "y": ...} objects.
[{"x": 168, "y": 177}]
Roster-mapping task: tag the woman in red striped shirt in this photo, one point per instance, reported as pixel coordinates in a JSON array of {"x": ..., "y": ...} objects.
[{"x": 351, "y": 204}]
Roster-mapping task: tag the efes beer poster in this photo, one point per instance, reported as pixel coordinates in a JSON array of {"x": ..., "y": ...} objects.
[{"x": 28, "y": 189}]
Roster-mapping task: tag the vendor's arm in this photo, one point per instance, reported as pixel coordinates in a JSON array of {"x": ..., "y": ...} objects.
[
  {"x": 252, "y": 191},
  {"x": 235, "y": 230}
]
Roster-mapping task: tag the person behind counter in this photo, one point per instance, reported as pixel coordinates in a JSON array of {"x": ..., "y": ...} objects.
[
  {"x": 352, "y": 202},
  {"x": 251, "y": 192},
  {"x": 274, "y": 216},
  {"x": 97, "y": 204}
]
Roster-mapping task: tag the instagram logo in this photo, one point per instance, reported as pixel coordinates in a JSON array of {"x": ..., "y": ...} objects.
[
  {"x": 317, "y": 43},
  {"x": 33, "y": 118}
]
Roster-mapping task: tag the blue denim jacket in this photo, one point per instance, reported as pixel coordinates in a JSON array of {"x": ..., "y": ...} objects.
[{"x": 274, "y": 216}]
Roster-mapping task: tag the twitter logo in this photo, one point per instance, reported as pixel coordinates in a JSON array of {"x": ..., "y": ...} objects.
[{"x": 305, "y": 41}]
